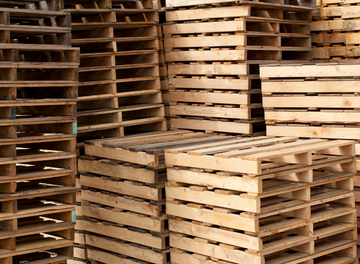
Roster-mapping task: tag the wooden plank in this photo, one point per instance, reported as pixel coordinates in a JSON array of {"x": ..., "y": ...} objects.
[
  {"x": 117, "y": 232},
  {"x": 210, "y": 197},
  {"x": 123, "y": 188},
  {"x": 118, "y": 171},
  {"x": 221, "y": 98},
  {"x": 237, "y": 256},
  {"x": 324, "y": 117},
  {"x": 141, "y": 207},
  {"x": 123, "y": 155},
  {"x": 206, "y": 41},
  {"x": 323, "y": 86},
  {"x": 312, "y": 101},
  {"x": 216, "y": 234},
  {"x": 206, "y": 13},
  {"x": 208, "y": 125},
  {"x": 124, "y": 249},
  {"x": 238, "y": 183},
  {"x": 221, "y": 112},
  {"x": 212, "y": 55},
  {"x": 205, "y": 27},
  {"x": 198, "y": 83},
  {"x": 235, "y": 221},
  {"x": 315, "y": 131},
  {"x": 125, "y": 218},
  {"x": 292, "y": 71}
]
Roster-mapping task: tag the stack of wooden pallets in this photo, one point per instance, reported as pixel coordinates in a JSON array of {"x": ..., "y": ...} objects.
[
  {"x": 335, "y": 30},
  {"x": 262, "y": 200},
  {"x": 214, "y": 49},
  {"x": 313, "y": 101},
  {"x": 123, "y": 196},
  {"x": 119, "y": 87},
  {"x": 38, "y": 78}
]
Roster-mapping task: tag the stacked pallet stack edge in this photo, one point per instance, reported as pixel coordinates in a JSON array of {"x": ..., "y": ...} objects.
[
  {"x": 335, "y": 31},
  {"x": 262, "y": 200},
  {"x": 213, "y": 50},
  {"x": 38, "y": 91},
  {"x": 119, "y": 86},
  {"x": 123, "y": 196},
  {"x": 314, "y": 101}
]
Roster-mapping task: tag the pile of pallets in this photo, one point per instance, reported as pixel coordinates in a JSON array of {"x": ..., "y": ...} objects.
[
  {"x": 313, "y": 101},
  {"x": 38, "y": 78},
  {"x": 262, "y": 200},
  {"x": 123, "y": 196},
  {"x": 214, "y": 49},
  {"x": 119, "y": 87},
  {"x": 335, "y": 30}
]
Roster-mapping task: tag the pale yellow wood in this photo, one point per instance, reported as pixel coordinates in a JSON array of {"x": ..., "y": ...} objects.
[
  {"x": 122, "y": 154},
  {"x": 122, "y": 233},
  {"x": 136, "y": 220},
  {"x": 206, "y": 69},
  {"x": 221, "y": 112},
  {"x": 210, "y": 197},
  {"x": 312, "y": 101},
  {"x": 207, "y": 55},
  {"x": 205, "y": 27},
  {"x": 245, "y": 184},
  {"x": 237, "y": 256},
  {"x": 330, "y": 70},
  {"x": 208, "y": 162},
  {"x": 180, "y": 258},
  {"x": 121, "y": 202},
  {"x": 117, "y": 170},
  {"x": 333, "y": 86},
  {"x": 315, "y": 131},
  {"x": 209, "y": 216},
  {"x": 218, "y": 84},
  {"x": 344, "y": 117},
  {"x": 206, "y": 13},
  {"x": 208, "y": 125},
  {"x": 207, "y": 41},
  {"x": 216, "y": 234},
  {"x": 105, "y": 257},
  {"x": 123, "y": 188},
  {"x": 178, "y": 3},
  {"x": 220, "y": 98},
  {"x": 124, "y": 249}
]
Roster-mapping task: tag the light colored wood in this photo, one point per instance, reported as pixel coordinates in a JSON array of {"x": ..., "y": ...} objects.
[
  {"x": 121, "y": 202},
  {"x": 212, "y": 55},
  {"x": 220, "y": 98},
  {"x": 309, "y": 117},
  {"x": 205, "y": 69},
  {"x": 218, "y": 84},
  {"x": 124, "y": 249},
  {"x": 216, "y": 234},
  {"x": 178, "y": 3},
  {"x": 318, "y": 132},
  {"x": 123, "y": 188},
  {"x": 221, "y": 112},
  {"x": 123, "y": 155},
  {"x": 207, "y": 41},
  {"x": 118, "y": 171},
  {"x": 328, "y": 86},
  {"x": 129, "y": 219},
  {"x": 237, "y": 256},
  {"x": 208, "y": 125},
  {"x": 245, "y": 184},
  {"x": 312, "y": 101},
  {"x": 292, "y": 71},
  {"x": 209, "y": 216},
  {"x": 105, "y": 257},
  {"x": 122, "y": 233},
  {"x": 205, "y": 27},
  {"x": 206, "y": 13},
  {"x": 209, "y": 197}
]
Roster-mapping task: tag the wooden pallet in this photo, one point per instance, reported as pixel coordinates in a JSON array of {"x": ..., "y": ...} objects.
[{"x": 52, "y": 5}]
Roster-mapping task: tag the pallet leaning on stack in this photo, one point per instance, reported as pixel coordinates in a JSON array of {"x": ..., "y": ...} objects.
[
  {"x": 123, "y": 202},
  {"x": 214, "y": 49},
  {"x": 262, "y": 200},
  {"x": 38, "y": 79},
  {"x": 313, "y": 101},
  {"x": 335, "y": 30},
  {"x": 119, "y": 87}
]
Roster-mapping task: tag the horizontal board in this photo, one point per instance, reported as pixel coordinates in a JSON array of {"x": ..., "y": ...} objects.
[
  {"x": 205, "y": 27},
  {"x": 203, "y": 111},
  {"x": 221, "y": 98},
  {"x": 209, "y": 83},
  {"x": 208, "y": 69},
  {"x": 312, "y": 101}
]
